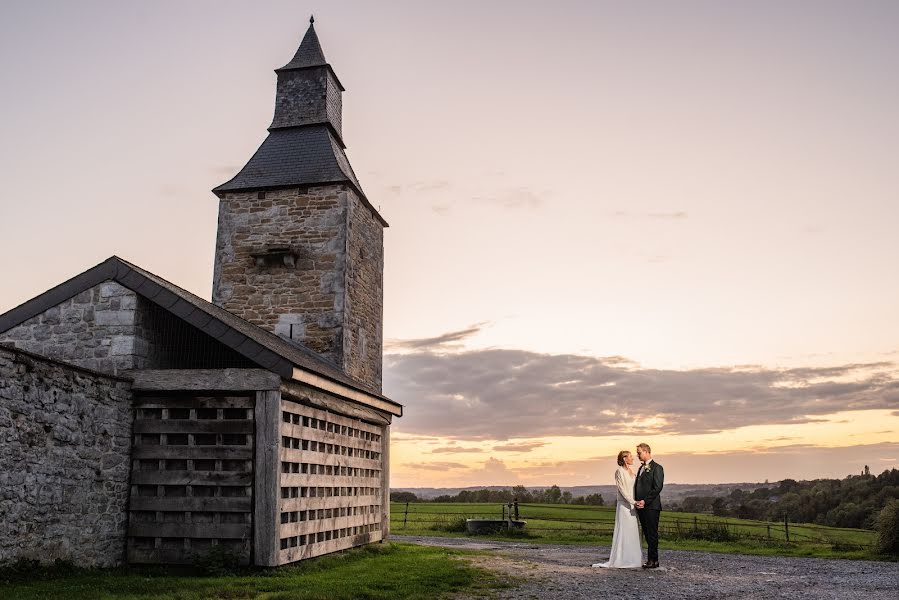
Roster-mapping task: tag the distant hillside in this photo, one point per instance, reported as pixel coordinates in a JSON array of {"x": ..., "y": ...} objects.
[{"x": 673, "y": 492}]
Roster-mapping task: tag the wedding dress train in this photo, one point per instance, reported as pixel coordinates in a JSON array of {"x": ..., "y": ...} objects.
[{"x": 626, "y": 551}]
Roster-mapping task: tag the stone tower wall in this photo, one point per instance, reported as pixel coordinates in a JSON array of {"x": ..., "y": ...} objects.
[
  {"x": 330, "y": 298},
  {"x": 363, "y": 339},
  {"x": 66, "y": 439},
  {"x": 309, "y": 295}
]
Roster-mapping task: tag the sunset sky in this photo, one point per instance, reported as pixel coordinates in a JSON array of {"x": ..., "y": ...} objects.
[{"x": 609, "y": 222}]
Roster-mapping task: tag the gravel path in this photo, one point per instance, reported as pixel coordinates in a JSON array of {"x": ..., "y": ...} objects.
[{"x": 563, "y": 572}]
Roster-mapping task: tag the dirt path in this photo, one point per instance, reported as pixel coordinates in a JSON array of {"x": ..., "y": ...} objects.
[{"x": 563, "y": 572}]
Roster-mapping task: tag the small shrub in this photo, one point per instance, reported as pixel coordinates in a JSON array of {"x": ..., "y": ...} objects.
[
  {"x": 842, "y": 546},
  {"x": 712, "y": 532},
  {"x": 451, "y": 524},
  {"x": 887, "y": 526},
  {"x": 217, "y": 561}
]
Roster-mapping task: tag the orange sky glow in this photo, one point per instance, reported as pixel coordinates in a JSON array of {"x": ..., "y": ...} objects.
[{"x": 610, "y": 224}]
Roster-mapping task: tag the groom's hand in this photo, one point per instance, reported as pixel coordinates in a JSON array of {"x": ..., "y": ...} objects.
[{"x": 640, "y": 503}]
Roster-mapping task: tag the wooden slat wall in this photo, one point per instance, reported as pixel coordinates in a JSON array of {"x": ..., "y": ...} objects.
[
  {"x": 331, "y": 474},
  {"x": 192, "y": 477}
]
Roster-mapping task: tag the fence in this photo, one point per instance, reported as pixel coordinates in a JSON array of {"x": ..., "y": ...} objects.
[{"x": 600, "y": 522}]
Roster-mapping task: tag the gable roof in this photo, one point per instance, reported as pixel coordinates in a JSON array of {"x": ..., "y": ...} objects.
[{"x": 251, "y": 341}]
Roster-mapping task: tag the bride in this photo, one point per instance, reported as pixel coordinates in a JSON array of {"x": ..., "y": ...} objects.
[{"x": 626, "y": 551}]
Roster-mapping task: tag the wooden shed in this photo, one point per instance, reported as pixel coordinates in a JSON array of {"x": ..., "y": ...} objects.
[{"x": 241, "y": 438}]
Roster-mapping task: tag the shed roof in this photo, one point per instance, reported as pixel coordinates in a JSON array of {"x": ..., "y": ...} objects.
[{"x": 262, "y": 347}]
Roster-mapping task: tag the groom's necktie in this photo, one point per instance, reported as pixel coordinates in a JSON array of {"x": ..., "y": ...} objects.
[{"x": 640, "y": 470}]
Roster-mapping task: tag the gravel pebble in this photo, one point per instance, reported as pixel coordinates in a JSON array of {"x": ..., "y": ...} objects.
[{"x": 565, "y": 572}]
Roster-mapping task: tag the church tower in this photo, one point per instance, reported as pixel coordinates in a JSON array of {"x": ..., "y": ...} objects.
[{"x": 300, "y": 248}]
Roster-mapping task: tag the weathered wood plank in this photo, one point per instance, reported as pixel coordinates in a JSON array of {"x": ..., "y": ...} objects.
[
  {"x": 342, "y": 391},
  {"x": 239, "y": 504},
  {"x": 231, "y": 380},
  {"x": 385, "y": 483},
  {"x": 267, "y": 488},
  {"x": 308, "y": 480},
  {"x": 191, "y": 530},
  {"x": 307, "y": 433},
  {"x": 322, "y": 458},
  {"x": 171, "y": 556},
  {"x": 221, "y": 478},
  {"x": 192, "y": 401},
  {"x": 316, "y": 525},
  {"x": 193, "y": 452},
  {"x": 291, "y": 504},
  {"x": 193, "y": 426},
  {"x": 301, "y": 394},
  {"x": 308, "y": 551}
]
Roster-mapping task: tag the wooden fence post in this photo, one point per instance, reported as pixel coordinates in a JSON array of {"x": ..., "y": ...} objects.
[
  {"x": 405, "y": 515},
  {"x": 786, "y": 527},
  {"x": 695, "y": 525},
  {"x": 516, "y": 508},
  {"x": 769, "y": 531}
]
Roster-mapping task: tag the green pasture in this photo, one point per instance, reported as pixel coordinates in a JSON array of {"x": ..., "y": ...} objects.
[
  {"x": 569, "y": 524},
  {"x": 378, "y": 571}
]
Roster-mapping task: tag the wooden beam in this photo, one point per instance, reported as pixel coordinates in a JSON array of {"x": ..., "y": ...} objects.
[
  {"x": 231, "y": 380},
  {"x": 193, "y": 452},
  {"x": 385, "y": 482},
  {"x": 347, "y": 392},
  {"x": 299, "y": 393},
  {"x": 195, "y": 504},
  {"x": 191, "y": 530},
  {"x": 266, "y": 518}
]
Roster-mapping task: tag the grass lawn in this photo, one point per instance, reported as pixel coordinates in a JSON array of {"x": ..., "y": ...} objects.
[
  {"x": 566, "y": 524},
  {"x": 390, "y": 570}
]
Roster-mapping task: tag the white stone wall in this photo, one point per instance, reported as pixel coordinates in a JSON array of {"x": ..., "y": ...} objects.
[{"x": 65, "y": 446}]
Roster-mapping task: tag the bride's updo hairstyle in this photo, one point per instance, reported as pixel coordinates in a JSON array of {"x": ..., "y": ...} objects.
[{"x": 621, "y": 456}]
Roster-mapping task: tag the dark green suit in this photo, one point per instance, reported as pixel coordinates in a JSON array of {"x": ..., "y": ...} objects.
[{"x": 648, "y": 487}]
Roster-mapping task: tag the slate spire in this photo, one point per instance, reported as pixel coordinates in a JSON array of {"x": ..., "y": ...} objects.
[
  {"x": 305, "y": 142},
  {"x": 310, "y": 53}
]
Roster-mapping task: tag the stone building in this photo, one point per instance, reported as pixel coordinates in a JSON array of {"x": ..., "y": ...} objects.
[{"x": 141, "y": 423}]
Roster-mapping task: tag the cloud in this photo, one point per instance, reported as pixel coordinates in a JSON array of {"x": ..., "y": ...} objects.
[
  {"x": 454, "y": 450},
  {"x": 520, "y": 197},
  {"x": 436, "y": 466},
  {"x": 523, "y": 447},
  {"x": 800, "y": 462},
  {"x": 432, "y": 343},
  {"x": 499, "y": 394},
  {"x": 675, "y": 215}
]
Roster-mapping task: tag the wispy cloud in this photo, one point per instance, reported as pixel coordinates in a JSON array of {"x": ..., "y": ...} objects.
[
  {"x": 500, "y": 394},
  {"x": 436, "y": 466},
  {"x": 675, "y": 215},
  {"x": 455, "y": 450},
  {"x": 439, "y": 341},
  {"x": 523, "y": 447}
]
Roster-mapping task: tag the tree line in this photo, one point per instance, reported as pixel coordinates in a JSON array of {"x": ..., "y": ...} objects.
[
  {"x": 851, "y": 502},
  {"x": 550, "y": 495}
]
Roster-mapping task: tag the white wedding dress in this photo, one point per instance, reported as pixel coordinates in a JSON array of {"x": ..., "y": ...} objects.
[{"x": 626, "y": 551}]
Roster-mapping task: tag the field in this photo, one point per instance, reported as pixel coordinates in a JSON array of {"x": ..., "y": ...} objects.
[
  {"x": 393, "y": 571},
  {"x": 566, "y": 524}
]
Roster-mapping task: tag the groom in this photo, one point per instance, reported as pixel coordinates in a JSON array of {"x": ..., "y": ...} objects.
[{"x": 647, "y": 487}]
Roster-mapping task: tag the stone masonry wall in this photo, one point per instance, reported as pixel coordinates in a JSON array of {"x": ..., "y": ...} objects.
[
  {"x": 364, "y": 306},
  {"x": 331, "y": 297},
  {"x": 308, "y": 295},
  {"x": 65, "y": 435},
  {"x": 99, "y": 329}
]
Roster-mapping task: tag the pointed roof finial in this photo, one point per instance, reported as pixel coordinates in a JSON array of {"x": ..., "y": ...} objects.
[{"x": 309, "y": 53}]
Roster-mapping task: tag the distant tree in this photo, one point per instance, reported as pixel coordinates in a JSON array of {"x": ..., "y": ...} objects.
[
  {"x": 593, "y": 500},
  {"x": 403, "y": 497},
  {"x": 888, "y": 529},
  {"x": 566, "y": 497}
]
